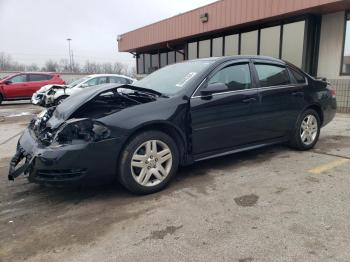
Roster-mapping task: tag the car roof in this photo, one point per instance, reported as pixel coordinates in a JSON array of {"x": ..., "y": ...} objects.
[
  {"x": 97, "y": 75},
  {"x": 240, "y": 57}
]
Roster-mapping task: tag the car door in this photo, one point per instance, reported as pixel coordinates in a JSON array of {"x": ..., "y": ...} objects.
[
  {"x": 280, "y": 100},
  {"x": 224, "y": 120},
  {"x": 17, "y": 87},
  {"x": 36, "y": 81}
]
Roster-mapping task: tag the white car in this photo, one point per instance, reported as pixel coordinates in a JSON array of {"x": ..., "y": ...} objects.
[{"x": 51, "y": 95}]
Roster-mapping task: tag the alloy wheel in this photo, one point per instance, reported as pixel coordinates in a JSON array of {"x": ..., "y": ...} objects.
[
  {"x": 309, "y": 130},
  {"x": 151, "y": 163}
]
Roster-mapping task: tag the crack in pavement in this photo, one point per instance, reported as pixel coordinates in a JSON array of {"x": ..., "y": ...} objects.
[{"x": 329, "y": 154}]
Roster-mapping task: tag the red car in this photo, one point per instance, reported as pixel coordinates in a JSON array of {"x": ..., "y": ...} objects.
[{"x": 22, "y": 85}]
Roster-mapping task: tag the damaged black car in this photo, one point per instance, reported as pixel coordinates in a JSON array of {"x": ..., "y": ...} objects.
[{"x": 180, "y": 114}]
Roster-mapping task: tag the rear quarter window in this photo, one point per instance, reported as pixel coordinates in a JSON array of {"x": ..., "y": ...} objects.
[{"x": 299, "y": 78}]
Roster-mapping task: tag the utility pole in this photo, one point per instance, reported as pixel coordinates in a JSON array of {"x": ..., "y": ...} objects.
[{"x": 70, "y": 54}]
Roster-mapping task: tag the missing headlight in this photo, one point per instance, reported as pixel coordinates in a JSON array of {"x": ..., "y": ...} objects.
[{"x": 81, "y": 129}]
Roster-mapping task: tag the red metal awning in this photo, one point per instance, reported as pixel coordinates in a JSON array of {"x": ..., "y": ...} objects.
[{"x": 223, "y": 15}]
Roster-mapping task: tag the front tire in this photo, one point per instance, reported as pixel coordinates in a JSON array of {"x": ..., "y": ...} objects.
[
  {"x": 307, "y": 131},
  {"x": 1, "y": 99},
  {"x": 148, "y": 162}
]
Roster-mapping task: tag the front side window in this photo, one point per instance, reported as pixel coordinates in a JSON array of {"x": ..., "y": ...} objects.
[
  {"x": 346, "y": 53},
  {"x": 235, "y": 77},
  {"x": 19, "y": 79},
  {"x": 272, "y": 75}
]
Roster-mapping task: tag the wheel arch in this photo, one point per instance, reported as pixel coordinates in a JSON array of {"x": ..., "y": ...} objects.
[
  {"x": 319, "y": 111},
  {"x": 168, "y": 128}
]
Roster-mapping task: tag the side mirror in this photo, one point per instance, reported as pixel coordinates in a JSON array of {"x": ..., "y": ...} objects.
[
  {"x": 8, "y": 82},
  {"x": 214, "y": 88},
  {"x": 84, "y": 85}
]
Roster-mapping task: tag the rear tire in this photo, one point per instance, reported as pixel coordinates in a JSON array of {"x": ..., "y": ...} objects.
[
  {"x": 148, "y": 162},
  {"x": 307, "y": 131},
  {"x": 1, "y": 99}
]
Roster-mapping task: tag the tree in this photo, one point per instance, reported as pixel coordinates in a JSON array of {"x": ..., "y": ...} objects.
[
  {"x": 51, "y": 66},
  {"x": 33, "y": 68}
]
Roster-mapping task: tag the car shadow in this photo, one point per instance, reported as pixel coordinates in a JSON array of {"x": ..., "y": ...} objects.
[{"x": 197, "y": 176}]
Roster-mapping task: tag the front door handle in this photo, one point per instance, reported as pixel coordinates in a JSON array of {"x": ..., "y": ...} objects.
[{"x": 249, "y": 100}]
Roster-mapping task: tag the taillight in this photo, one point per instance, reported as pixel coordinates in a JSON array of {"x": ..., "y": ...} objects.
[{"x": 333, "y": 91}]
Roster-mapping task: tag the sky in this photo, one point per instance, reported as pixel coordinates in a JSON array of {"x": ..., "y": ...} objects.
[{"x": 34, "y": 31}]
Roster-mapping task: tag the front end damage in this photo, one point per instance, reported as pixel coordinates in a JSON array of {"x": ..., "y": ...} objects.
[
  {"x": 44, "y": 96},
  {"x": 70, "y": 144}
]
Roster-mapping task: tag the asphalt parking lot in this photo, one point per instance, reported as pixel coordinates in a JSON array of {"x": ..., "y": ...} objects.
[{"x": 272, "y": 204}]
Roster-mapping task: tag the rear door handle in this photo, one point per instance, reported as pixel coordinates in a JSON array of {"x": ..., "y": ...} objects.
[
  {"x": 298, "y": 94},
  {"x": 249, "y": 100}
]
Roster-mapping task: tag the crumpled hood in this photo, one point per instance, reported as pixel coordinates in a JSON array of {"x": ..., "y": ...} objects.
[
  {"x": 74, "y": 102},
  {"x": 46, "y": 88}
]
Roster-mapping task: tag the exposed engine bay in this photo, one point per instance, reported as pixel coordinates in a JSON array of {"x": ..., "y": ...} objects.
[{"x": 83, "y": 124}]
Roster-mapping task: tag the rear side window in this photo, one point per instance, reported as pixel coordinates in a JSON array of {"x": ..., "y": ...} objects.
[
  {"x": 236, "y": 77},
  {"x": 272, "y": 75},
  {"x": 299, "y": 78},
  {"x": 38, "y": 77},
  {"x": 97, "y": 81},
  {"x": 118, "y": 80}
]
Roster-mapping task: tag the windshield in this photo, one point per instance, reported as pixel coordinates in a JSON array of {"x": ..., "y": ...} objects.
[
  {"x": 77, "y": 82},
  {"x": 173, "y": 78}
]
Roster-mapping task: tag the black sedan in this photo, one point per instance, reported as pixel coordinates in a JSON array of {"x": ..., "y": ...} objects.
[{"x": 178, "y": 115}]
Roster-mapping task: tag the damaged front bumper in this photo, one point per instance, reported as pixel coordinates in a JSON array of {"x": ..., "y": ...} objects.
[{"x": 81, "y": 163}]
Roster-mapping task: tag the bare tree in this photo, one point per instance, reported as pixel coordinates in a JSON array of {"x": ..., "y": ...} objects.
[
  {"x": 33, "y": 68},
  {"x": 51, "y": 66}
]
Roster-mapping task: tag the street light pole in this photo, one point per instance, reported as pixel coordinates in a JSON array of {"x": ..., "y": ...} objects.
[{"x": 70, "y": 54}]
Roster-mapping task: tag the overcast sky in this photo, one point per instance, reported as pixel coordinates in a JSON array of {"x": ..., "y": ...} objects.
[{"x": 33, "y": 31}]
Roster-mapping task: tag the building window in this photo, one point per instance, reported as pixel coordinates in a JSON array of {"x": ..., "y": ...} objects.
[
  {"x": 171, "y": 57},
  {"x": 231, "y": 45},
  {"x": 249, "y": 43},
  {"x": 140, "y": 64},
  {"x": 180, "y": 56},
  {"x": 217, "y": 46},
  {"x": 346, "y": 52},
  {"x": 192, "y": 51},
  {"x": 155, "y": 62},
  {"x": 270, "y": 41},
  {"x": 293, "y": 43},
  {"x": 147, "y": 63},
  {"x": 163, "y": 59},
  {"x": 204, "y": 49}
]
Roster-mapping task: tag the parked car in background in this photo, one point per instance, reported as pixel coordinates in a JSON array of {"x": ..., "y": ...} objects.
[
  {"x": 180, "y": 114},
  {"x": 21, "y": 86},
  {"x": 51, "y": 95}
]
